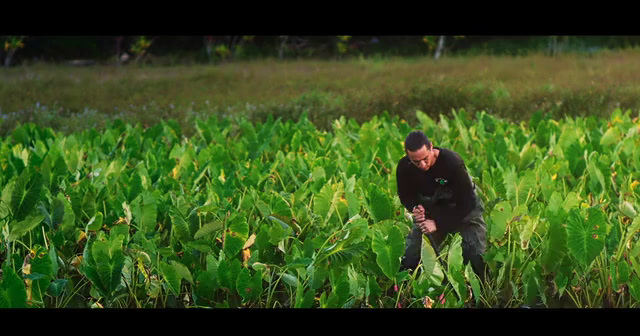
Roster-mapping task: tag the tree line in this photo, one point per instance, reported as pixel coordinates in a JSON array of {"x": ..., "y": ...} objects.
[{"x": 135, "y": 49}]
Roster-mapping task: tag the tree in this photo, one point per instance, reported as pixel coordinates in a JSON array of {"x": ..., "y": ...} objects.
[
  {"x": 11, "y": 45},
  {"x": 439, "y": 48},
  {"x": 556, "y": 48},
  {"x": 118, "y": 49},
  {"x": 282, "y": 45},
  {"x": 343, "y": 44},
  {"x": 226, "y": 47},
  {"x": 208, "y": 45},
  {"x": 140, "y": 48}
]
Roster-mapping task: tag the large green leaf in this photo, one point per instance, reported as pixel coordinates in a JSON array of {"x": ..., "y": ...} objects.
[
  {"x": 353, "y": 203},
  {"x": 13, "y": 293},
  {"x": 103, "y": 263},
  {"x": 57, "y": 213},
  {"x": 528, "y": 155},
  {"x": 145, "y": 213},
  {"x": 59, "y": 169},
  {"x": 326, "y": 201},
  {"x": 208, "y": 229},
  {"x": 19, "y": 229},
  {"x": 243, "y": 286},
  {"x": 280, "y": 206},
  {"x": 586, "y": 237},
  {"x": 543, "y": 134},
  {"x": 339, "y": 290},
  {"x": 476, "y": 288},
  {"x": 595, "y": 174},
  {"x": 456, "y": 268},
  {"x": 611, "y": 136},
  {"x": 500, "y": 216},
  {"x": 135, "y": 188},
  {"x": 171, "y": 275},
  {"x": 26, "y": 193},
  {"x": 41, "y": 267},
  {"x": 276, "y": 233},
  {"x": 575, "y": 156},
  {"x": 207, "y": 283},
  {"x": 426, "y": 122},
  {"x": 88, "y": 204},
  {"x": 454, "y": 256},
  {"x": 571, "y": 200},
  {"x": 380, "y": 204},
  {"x": 239, "y": 225},
  {"x": 428, "y": 256},
  {"x": 518, "y": 189},
  {"x": 95, "y": 223},
  {"x": 462, "y": 130},
  {"x": 343, "y": 251},
  {"x": 183, "y": 271},
  {"x": 233, "y": 245},
  {"x": 634, "y": 287},
  {"x": 555, "y": 242},
  {"x": 180, "y": 228},
  {"x": 69, "y": 217},
  {"x": 388, "y": 250},
  {"x": 529, "y": 226},
  {"x": 5, "y": 201}
]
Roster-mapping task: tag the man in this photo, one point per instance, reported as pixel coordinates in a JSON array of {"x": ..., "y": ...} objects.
[{"x": 434, "y": 185}]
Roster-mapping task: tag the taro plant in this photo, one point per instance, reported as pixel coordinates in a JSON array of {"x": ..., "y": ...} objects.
[{"x": 281, "y": 214}]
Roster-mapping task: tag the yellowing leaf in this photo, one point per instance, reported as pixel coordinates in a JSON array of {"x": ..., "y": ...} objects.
[
  {"x": 81, "y": 236},
  {"x": 249, "y": 242},
  {"x": 76, "y": 260},
  {"x": 246, "y": 254}
]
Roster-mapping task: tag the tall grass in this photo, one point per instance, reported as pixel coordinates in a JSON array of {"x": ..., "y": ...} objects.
[{"x": 70, "y": 98}]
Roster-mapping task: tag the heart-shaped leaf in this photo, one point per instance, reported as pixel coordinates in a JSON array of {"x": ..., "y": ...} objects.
[
  {"x": 26, "y": 193},
  {"x": 388, "y": 249},
  {"x": 586, "y": 237}
]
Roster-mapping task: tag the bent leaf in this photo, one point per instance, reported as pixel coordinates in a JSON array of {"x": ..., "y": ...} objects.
[
  {"x": 19, "y": 229},
  {"x": 208, "y": 229}
]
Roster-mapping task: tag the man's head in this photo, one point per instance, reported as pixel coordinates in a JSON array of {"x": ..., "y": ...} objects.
[{"x": 419, "y": 150}]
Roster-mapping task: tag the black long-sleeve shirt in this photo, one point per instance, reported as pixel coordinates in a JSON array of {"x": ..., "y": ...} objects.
[{"x": 448, "y": 176}]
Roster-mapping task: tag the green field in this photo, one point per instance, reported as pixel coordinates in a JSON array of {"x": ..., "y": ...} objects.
[
  {"x": 281, "y": 191},
  {"x": 282, "y": 214},
  {"x": 72, "y": 99}
]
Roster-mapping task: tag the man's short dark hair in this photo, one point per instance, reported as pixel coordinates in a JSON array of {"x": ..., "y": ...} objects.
[{"x": 415, "y": 140}]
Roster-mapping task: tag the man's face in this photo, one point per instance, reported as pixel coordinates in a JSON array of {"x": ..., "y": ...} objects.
[{"x": 423, "y": 158}]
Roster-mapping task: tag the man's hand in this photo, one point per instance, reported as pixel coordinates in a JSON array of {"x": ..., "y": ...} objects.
[
  {"x": 418, "y": 213},
  {"x": 427, "y": 226}
]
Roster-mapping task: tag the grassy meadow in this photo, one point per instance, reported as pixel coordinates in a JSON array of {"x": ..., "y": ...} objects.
[{"x": 74, "y": 98}]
